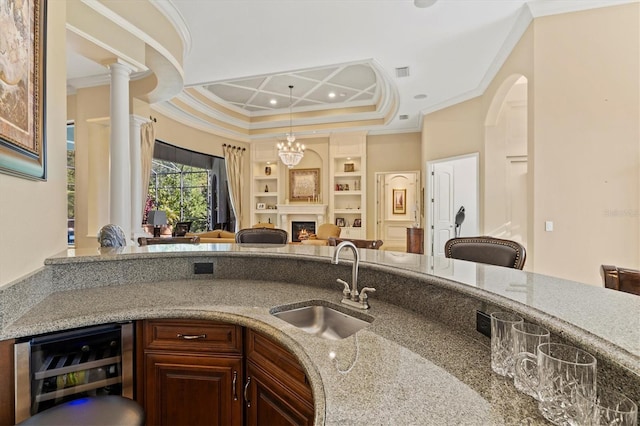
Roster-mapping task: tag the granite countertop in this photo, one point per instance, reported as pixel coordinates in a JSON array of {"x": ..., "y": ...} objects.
[
  {"x": 401, "y": 369},
  {"x": 409, "y": 366}
]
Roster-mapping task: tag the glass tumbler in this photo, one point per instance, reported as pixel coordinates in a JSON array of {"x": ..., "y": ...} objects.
[
  {"x": 526, "y": 339},
  {"x": 502, "y": 342},
  {"x": 608, "y": 409},
  {"x": 561, "y": 374}
]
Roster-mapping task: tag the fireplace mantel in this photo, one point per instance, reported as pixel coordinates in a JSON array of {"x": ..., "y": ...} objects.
[
  {"x": 314, "y": 209},
  {"x": 301, "y": 212}
]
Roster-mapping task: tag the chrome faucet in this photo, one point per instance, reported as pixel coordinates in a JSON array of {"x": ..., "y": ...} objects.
[{"x": 351, "y": 296}]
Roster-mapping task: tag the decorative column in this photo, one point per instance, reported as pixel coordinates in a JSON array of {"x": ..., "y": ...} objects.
[
  {"x": 119, "y": 173},
  {"x": 135, "y": 121}
]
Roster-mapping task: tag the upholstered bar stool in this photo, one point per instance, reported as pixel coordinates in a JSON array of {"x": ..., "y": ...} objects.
[{"x": 96, "y": 411}]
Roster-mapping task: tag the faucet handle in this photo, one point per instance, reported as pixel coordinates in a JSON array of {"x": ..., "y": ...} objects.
[
  {"x": 346, "y": 292},
  {"x": 363, "y": 292}
]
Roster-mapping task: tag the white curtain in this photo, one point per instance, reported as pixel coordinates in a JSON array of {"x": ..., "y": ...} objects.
[
  {"x": 234, "y": 163},
  {"x": 147, "y": 140}
]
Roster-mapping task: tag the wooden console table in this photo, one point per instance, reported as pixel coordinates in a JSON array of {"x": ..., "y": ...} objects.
[{"x": 147, "y": 241}]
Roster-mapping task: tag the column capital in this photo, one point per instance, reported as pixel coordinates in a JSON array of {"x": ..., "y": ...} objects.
[{"x": 118, "y": 65}]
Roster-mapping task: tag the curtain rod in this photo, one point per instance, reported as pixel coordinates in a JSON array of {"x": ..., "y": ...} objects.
[{"x": 234, "y": 147}]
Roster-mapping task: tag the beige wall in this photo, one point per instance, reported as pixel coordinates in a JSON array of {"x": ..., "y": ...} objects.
[
  {"x": 584, "y": 108},
  {"x": 587, "y": 142},
  {"x": 34, "y": 214},
  {"x": 398, "y": 152}
]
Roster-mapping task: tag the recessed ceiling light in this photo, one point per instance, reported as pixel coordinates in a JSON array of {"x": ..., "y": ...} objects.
[
  {"x": 424, "y": 3},
  {"x": 420, "y": 96},
  {"x": 332, "y": 95},
  {"x": 273, "y": 102}
]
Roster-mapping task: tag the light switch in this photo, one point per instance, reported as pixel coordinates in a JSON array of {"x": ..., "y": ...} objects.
[{"x": 548, "y": 226}]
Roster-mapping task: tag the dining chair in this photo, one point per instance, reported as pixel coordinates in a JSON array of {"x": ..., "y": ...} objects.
[
  {"x": 488, "y": 250},
  {"x": 622, "y": 279},
  {"x": 262, "y": 236}
]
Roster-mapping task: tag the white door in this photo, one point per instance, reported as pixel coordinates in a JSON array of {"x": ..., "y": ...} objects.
[
  {"x": 452, "y": 183},
  {"x": 442, "y": 206},
  {"x": 392, "y": 222}
]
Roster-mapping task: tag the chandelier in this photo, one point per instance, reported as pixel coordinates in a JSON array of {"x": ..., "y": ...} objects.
[{"x": 290, "y": 152}]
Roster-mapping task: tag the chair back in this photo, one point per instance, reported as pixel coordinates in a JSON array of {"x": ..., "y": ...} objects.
[
  {"x": 622, "y": 279},
  {"x": 262, "y": 236},
  {"x": 488, "y": 250},
  {"x": 365, "y": 244},
  {"x": 328, "y": 230},
  {"x": 264, "y": 225}
]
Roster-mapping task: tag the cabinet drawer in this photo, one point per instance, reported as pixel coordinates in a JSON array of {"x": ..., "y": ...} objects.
[
  {"x": 192, "y": 336},
  {"x": 279, "y": 362}
]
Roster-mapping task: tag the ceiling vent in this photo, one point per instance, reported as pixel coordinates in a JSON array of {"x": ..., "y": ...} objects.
[
  {"x": 402, "y": 72},
  {"x": 403, "y": 116}
]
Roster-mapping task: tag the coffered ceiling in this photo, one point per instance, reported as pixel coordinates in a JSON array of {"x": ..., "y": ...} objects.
[{"x": 378, "y": 65}]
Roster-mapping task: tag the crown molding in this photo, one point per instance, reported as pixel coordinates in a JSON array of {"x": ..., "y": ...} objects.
[{"x": 173, "y": 15}]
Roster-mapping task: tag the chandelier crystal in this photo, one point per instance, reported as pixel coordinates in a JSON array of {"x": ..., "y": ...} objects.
[{"x": 290, "y": 152}]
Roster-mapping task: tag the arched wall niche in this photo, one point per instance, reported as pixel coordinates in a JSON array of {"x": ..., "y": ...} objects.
[{"x": 506, "y": 180}]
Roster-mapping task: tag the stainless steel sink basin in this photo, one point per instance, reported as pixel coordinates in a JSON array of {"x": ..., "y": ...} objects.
[{"x": 323, "y": 321}]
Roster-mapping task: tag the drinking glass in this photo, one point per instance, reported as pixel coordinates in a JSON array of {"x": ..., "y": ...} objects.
[
  {"x": 562, "y": 373},
  {"x": 608, "y": 409},
  {"x": 502, "y": 342},
  {"x": 526, "y": 339}
]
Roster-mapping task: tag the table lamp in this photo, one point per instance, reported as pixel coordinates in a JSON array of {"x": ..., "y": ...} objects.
[{"x": 157, "y": 218}]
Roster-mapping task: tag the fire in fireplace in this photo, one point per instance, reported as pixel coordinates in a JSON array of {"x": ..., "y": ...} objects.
[{"x": 300, "y": 229}]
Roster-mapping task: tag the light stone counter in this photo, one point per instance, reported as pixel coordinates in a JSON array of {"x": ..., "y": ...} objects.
[{"x": 419, "y": 362}]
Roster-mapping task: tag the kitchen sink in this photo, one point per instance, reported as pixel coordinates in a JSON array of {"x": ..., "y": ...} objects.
[{"x": 322, "y": 321}]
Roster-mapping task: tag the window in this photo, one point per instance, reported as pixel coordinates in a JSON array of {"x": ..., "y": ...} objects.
[
  {"x": 183, "y": 192},
  {"x": 189, "y": 187}
]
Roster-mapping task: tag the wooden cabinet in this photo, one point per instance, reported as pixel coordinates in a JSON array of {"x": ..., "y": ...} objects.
[
  {"x": 278, "y": 392},
  {"x": 192, "y": 372}
]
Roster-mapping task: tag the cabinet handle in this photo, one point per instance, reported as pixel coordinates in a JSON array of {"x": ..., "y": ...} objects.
[
  {"x": 233, "y": 385},
  {"x": 191, "y": 336},
  {"x": 246, "y": 389}
]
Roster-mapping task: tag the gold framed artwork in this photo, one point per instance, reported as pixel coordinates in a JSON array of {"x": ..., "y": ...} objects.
[
  {"x": 22, "y": 88},
  {"x": 349, "y": 167},
  {"x": 304, "y": 184},
  {"x": 399, "y": 201}
]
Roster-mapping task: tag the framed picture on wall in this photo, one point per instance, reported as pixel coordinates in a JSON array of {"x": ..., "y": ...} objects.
[
  {"x": 399, "y": 201},
  {"x": 304, "y": 184},
  {"x": 22, "y": 89}
]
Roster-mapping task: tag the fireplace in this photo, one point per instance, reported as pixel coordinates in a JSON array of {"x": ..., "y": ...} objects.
[{"x": 300, "y": 227}]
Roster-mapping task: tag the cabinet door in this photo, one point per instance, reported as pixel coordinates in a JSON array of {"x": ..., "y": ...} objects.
[
  {"x": 269, "y": 403},
  {"x": 193, "y": 390}
]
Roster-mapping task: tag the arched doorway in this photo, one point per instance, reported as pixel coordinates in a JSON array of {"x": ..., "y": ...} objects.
[{"x": 506, "y": 162}]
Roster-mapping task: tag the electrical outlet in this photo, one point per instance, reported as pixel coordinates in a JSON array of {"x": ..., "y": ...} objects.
[
  {"x": 483, "y": 323},
  {"x": 203, "y": 268}
]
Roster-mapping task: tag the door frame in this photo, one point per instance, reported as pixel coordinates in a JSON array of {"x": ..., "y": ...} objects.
[
  {"x": 379, "y": 185},
  {"x": 430, "y": 206}
]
